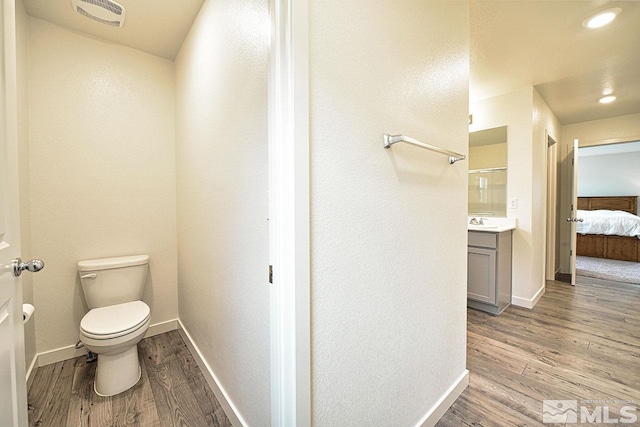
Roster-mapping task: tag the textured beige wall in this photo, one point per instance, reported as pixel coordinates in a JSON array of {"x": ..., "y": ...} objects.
[
  {"x": 102, "y": 162},
  {"x": 22, "y": 38},
  {"x": 543, "y": 120},
  {"x": 222, "y": 181},
  {"x": 597, "y": 132},
  {"x": 526, "y": 116},
  {"x": 388, "y": 227},
  {"x": 514, "y": 110}
]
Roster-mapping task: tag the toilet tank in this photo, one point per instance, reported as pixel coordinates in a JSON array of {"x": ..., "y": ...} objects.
[{"x": 110, "y": 281}]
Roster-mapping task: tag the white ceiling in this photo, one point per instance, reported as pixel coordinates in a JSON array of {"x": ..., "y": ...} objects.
[
  {"x": 513, "y": 44},
  {"x": 155, "y": 26},
  {"x": 543, "y": 44}
]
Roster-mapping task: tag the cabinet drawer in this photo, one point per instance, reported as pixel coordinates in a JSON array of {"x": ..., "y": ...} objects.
[{"x": 483, "y": 240}]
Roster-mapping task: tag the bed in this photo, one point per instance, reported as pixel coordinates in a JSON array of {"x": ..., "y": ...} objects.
[{"x": 612, "y": 235}]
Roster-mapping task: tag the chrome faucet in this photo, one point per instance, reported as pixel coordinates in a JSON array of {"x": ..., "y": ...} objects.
[{"x": 474, "y": 221}]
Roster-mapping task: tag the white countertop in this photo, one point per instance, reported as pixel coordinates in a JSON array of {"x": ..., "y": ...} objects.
[{"x": 492, "y": 225}]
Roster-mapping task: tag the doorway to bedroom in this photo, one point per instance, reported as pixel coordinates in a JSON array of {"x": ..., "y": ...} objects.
[{"x": 608, "y": 228}]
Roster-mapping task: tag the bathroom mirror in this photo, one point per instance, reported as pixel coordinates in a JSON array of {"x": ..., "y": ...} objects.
[{"x": 488, "y": 172}]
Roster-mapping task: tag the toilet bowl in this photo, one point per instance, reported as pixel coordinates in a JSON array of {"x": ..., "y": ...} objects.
[
  {"x": 117, "y": 320},
  {"x": 113, "y": 333}
]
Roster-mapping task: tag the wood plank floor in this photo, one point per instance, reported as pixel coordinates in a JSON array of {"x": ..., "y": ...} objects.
[
  {"x": 171, "y": 392},
  {"x": 578, "y": 343}
]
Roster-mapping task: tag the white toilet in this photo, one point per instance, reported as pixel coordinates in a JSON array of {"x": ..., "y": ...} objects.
[{"x": 117, "y": 319}]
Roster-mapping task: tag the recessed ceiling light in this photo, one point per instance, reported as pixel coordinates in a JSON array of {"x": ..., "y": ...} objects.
[
  {"x": 607, "y": 99},
  {"x": 601, "y": 19}
]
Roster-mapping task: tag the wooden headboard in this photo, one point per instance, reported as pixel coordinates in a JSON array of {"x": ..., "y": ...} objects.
[{"x": 612, "y": 203}]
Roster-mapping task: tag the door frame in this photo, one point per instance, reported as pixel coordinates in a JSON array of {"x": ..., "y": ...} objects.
[
  {"x": 594, "y": 143},
  {"x": 289, "y": 221},
  {"x": 573, "y": 216},
  {"x": 551, "y": 201},
  {"x": 565, "y": 196}
]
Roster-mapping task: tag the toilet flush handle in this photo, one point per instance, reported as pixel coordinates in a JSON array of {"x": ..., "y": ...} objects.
[{"x": 88, "y": 276}]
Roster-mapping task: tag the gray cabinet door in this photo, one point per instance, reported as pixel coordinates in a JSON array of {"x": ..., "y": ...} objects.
[{"x": 481, "y": 275}]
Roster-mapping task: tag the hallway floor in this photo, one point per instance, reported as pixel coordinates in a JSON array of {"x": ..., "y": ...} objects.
[
  {"x": 579, "y": 343},
  {"x": 171, "y": 392}
]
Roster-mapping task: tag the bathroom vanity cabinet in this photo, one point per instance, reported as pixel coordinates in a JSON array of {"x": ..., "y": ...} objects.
[{"x": 489, "y": 270}]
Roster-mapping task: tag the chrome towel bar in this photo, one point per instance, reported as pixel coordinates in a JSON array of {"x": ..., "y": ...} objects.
[{"x": 389, "y": 140}]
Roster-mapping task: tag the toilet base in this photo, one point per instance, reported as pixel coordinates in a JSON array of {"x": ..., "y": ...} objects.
[{"x": 116, "y": 373}]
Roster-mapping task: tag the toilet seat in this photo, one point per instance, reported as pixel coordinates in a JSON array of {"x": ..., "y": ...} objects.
[{"x": 114, "y": 321}]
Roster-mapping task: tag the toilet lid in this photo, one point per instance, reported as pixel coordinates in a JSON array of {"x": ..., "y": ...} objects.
[{"x": 114, "y": 320}]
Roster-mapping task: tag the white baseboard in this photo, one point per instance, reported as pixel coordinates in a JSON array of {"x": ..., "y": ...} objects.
[
  {"x": 161, "y": 328},
  {"x": 229, "y": 408},
  {"x": 59, "y": 354},
  {"x": 442, "y": 406},
  {"x": 31, "y": 371},
  {"x": 69, "y": 352},
  {"x": 528, "y": 302}
]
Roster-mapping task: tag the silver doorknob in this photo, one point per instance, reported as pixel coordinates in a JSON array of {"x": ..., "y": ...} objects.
[
  {"x": 33, "y": 266},
  {"x": 575, "y": 219}
]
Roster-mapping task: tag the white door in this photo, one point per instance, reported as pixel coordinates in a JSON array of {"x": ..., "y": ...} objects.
[
  {"x": 13, "y": 394},
  {"x": 573, "y": 218}
]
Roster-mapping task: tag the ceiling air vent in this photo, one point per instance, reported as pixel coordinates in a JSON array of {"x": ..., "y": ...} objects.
[{"x": 105, "y": 11}]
